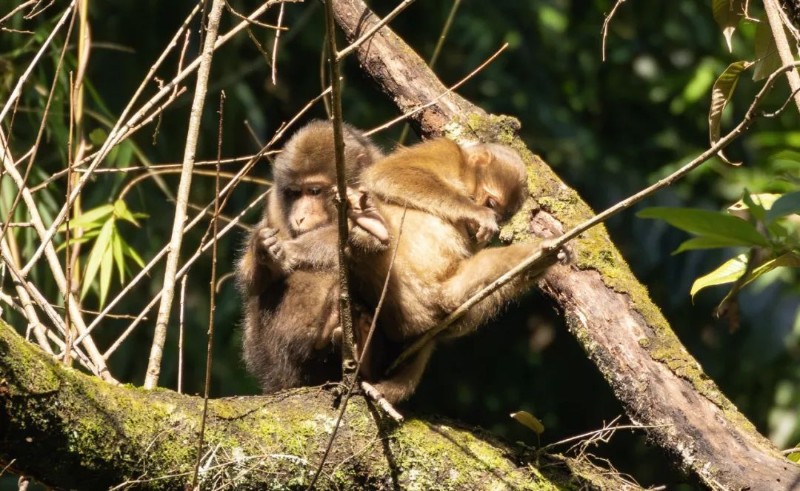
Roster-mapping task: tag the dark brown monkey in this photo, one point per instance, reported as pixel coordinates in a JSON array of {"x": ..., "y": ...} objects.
[
  {"x": 286, "y": 274},
  {"x": 454, "y": 197}
]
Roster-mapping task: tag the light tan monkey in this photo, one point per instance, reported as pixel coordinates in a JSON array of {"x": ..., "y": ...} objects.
[{"x": 455, "y": 198}]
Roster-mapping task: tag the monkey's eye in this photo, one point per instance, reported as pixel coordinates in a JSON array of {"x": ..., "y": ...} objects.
[
  {"x": 292, "y": 193},
  {"x": 314, "y": 190},
  {"x": 492, "y": 203}
]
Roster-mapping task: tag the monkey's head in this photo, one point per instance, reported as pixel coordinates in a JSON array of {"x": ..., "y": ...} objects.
[
  {"x": 502, "y": 183},
  {"x": 305, "y": 173}
]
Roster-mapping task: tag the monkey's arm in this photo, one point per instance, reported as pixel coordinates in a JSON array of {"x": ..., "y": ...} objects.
[
  {"x": 481, "y": 269},
  {"x": 420, "y": 188}
]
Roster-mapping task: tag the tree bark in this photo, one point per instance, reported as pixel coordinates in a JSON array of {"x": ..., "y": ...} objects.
[
  {"x": 607, "y": 309},
  {"x": 73, "y": 431}
]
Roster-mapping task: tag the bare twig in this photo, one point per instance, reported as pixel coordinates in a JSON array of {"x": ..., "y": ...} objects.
[
  {"x": 180, "y": 334},
  {"x": 225, "y": 190},
  {"x": 370, "y": 391},
  {"x": 275, "y": 47},
  {"x": 440, "y": 96},
  {"x": 16, "y": 9},
  {"x": 212, "y": 299},
  {"x": 773, "y": 10},
  {"x": 184, "y": 186},
  {"x": 338, "y": 55},
  {"x": 434, "y": 57},
  {"x": 541, "y": 254},
  {"x": 606, "y": 23},
  {"x": 124, "y": 124},
  {"x": 345, "y": 310}
]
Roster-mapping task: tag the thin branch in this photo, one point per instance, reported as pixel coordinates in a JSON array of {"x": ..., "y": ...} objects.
[
  {"x": 345, "y": 308},
  {"x": 212, "y": 307},
  {"x": 227, "y": 189},
  {"x": 606, "y": 23},
  {"x": 773, "y": 10},
  {"x": 275, "y": 47},
  {"x": 179, "y": 388},
  {"x": 553, "y": 246},
  {"x": 123, "y": 125},
  {"x": 184, "y": 186},
  {"x": 435, "y": 56},
  {"x": 440, "y": 96},
  {"x": 358, "y": 42}
]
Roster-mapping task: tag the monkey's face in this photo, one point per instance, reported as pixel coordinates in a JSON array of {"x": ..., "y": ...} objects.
[{"x": 308, "y": 205}]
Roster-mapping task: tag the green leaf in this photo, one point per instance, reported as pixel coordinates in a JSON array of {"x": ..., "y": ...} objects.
[
  {"x": 131, "y": 253},
  {"x": 728, "y": 272},
  {"x": 527, "y": 419},
  {"x": 121, "y": 211},
  {"x": 708, "y": 223},
  {"x": 767, "y": 58},
  {"x": 96, "y": 255},
  {"x": 706, "y": 242},
  {"x": 89, "y": 220},
  {"x": 721, "y": 94},
  {"x": 119, "y": 254},
  {"x": 788, "y": 204},
  {"x": 728, "y": 13}
]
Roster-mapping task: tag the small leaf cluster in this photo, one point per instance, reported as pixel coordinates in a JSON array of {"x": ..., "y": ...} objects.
[
  {"x": 768, "y": 225},
  {"x": 100, "y": 225}
]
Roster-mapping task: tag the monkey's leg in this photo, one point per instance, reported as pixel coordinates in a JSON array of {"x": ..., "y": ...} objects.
[
  {"x": 478, "y": 271},
  {"x": 402, "y": 384}
]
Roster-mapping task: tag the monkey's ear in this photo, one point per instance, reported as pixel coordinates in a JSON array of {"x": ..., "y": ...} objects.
[{"x": 479, "y": 155}]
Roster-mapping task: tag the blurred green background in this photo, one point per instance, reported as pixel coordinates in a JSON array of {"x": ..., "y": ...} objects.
[{"x": 608, "y": 129}]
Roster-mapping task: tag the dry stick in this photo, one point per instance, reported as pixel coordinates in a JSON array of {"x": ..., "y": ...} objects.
[
  {"x": 180, "y": 335},
  {"x": 120, "y": 130},
  {"x": 184, "y": 186},
  {"x": 212, "y": 298},
  {"x": 228, "y": 188},
  {"x": 371, "y": 391},
  {"x": 55, "y": 267},
  {"x": 438, "y": 97},
  {"x": 345, "y": 311},
  {"x": 275, "y": 47},
  {"x": 68, "y": 229},
  {"x": 16, "y": 9},
  {"x": 358, "y": 42},
  {"x": 553, "y": 245},
  {"x": 774, "y": 11},
  {"x": 435, "y": 56},
  {"x": 29, "y": 291},
  {"x": 39, "y": 330},
  {"x": 606, "y": 23},
  {"x": 181, "y": 273},
  {"x": 46, "y": 111}
]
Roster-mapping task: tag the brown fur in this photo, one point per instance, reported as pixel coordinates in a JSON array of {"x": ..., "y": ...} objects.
[
  {"x": 448, "y": 190},
  {"x": 286, "y": 273}
]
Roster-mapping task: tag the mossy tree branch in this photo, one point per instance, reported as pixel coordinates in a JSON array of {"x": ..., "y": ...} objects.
[
  {"x": 607, "y": 309},
  {"x": 99, "y": 436}
]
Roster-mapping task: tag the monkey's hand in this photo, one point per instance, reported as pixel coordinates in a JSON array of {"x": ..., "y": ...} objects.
[
  {"x": 483, "y": 225},
  {"x": 273, "y": 252},
  {"x": 362, "y": 211}
]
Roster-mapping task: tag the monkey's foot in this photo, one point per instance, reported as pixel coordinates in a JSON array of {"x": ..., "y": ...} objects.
[{"x": 361, "y": 210}]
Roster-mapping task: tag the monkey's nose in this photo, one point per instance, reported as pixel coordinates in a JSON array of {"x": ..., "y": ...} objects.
[{"x": 299, "y": 220}]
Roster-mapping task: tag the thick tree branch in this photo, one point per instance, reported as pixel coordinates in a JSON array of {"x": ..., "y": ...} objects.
[
  {"x": 122, "y": 437},
  {"x": 606, "y": 308}
]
